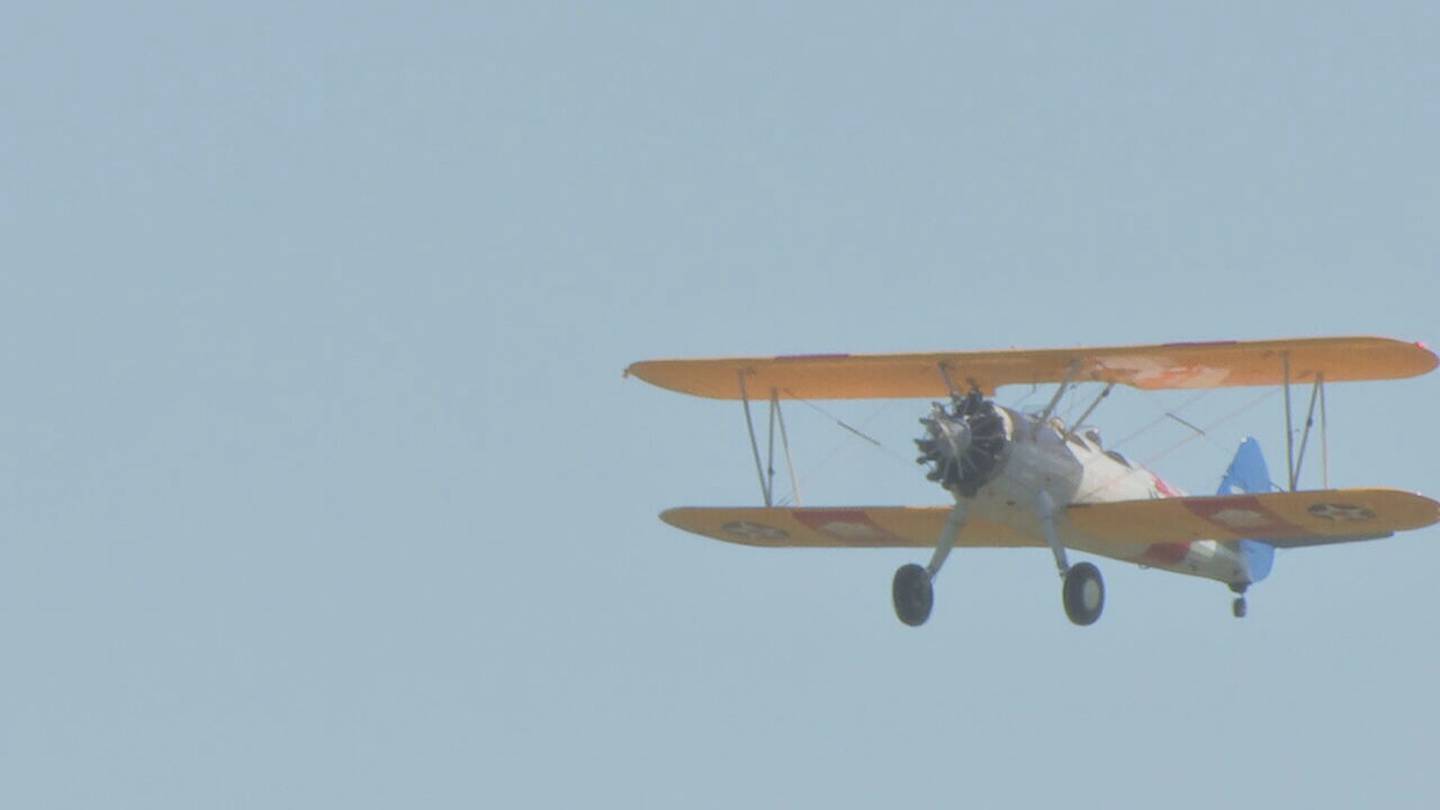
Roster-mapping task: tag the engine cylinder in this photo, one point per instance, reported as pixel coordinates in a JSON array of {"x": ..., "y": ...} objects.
[{"x": 965, "y": 444}]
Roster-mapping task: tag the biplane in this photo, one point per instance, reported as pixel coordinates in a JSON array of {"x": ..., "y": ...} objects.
[{"x": 1018, "y": 479}]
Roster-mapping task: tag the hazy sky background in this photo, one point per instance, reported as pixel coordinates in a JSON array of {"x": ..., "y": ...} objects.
[{"x": 320, "y": 486}]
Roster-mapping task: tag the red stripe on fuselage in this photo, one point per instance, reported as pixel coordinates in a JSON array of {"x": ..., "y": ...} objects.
[{"x": 1165, "y": 489}]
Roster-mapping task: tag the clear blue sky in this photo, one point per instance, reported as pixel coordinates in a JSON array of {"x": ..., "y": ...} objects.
[{"x": 320, "y": 487}]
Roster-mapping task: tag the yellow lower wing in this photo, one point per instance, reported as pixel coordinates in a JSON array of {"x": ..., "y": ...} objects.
[
  {"x": 1282, "y": 518},
  {"x": 860, "y": 527}
]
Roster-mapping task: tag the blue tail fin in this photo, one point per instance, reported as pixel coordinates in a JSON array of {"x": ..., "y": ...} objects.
[{"x": 1248, "y": 473}]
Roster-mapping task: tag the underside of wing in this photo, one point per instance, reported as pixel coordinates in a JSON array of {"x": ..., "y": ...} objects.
[
  {"x": 1285, "y": 519},
  {"x": 857, "y": 527},
  {"x": 1171, "y": 365}
]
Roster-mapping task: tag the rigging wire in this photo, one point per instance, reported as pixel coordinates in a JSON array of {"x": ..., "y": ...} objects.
[
  {"x": 1073, "y": 398},
  {"x": 1168, "y": 414},
  {"x": 1016, "y": 406},
  {"x": 1164, "y": 415},
  {"x": 1203, "y": 432},
  {"x": 857, "y": 431}
]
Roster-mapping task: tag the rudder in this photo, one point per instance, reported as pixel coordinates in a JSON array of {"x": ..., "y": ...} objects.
[{"x": 1248, "y": 473}]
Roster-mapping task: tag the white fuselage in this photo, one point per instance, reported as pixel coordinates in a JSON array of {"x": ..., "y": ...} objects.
[{"x": 1073, "y": 468}]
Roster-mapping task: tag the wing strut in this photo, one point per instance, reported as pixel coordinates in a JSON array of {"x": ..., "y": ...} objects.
[
  {"x": 1296, "y": 461},
  {"x": 1324, "y": 443},
  {"x": 770, "y": 458},
  {"x": 949, "y": 383},
  {"x": 1309, "y": 422},
  {"x": 785, "y": 443},
  {"x": 766, "y": 472},
  {"x": 1070, "y": 372},
  {"x": 754, "y": 446},
  {"x": 1086, "y": 415},
  {"x": 1289, "y": 428}
]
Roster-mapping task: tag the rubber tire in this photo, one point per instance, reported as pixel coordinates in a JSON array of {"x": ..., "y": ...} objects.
[
  {"x": 913, "y": 594},
  {"x": 1238, "y": 608},
  {"x": 1077, "y": 582}
]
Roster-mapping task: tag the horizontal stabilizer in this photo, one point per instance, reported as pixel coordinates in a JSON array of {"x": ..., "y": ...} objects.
[{"x": 1172, "y": 365}]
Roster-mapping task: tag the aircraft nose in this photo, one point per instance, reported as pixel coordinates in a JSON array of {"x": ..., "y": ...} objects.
[
  {"x": 956, "y": 437},
  {"x": 965, "y": 445}
]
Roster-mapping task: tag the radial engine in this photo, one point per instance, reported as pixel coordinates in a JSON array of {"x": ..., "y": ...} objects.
[{"x": 966, "y": 444}]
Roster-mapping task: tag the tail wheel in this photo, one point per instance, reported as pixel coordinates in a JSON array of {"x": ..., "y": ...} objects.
[
  {"x": 913, "y": 594},
  {"x": 1083, "y": 594}
]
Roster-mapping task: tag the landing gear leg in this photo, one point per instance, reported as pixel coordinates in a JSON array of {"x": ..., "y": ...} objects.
[
  {"x": 1083, "y": 590},
  {"x": 1052, "y": 537},
  {"x": 913, "y": 590}
]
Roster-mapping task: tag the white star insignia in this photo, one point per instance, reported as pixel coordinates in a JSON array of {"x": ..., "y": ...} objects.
[
  {"x": 1341, "y": 512},
  {"x": 754, "y": 531}
]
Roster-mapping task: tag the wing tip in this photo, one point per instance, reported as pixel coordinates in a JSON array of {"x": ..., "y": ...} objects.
[{"x": 1431, "y": 358}]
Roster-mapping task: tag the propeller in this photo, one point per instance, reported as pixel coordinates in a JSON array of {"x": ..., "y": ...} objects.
[{"x": 965, "y": 443}]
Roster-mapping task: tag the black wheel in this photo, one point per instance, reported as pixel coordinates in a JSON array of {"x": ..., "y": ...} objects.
[
  {"x": 1238, "y": 608},
  {"x": 1083, "y": 594},
  {"x": 913, "y": 595}
]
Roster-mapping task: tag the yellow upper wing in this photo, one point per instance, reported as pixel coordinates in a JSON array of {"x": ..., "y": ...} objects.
[
  {"x": 1171, "y": 365},
  {"x": 1280, "y": 518}
]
